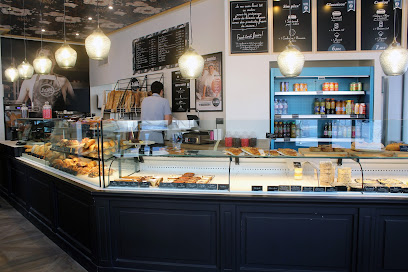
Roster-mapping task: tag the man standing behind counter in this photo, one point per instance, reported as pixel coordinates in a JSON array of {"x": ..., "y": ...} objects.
[{"x": 155, "y": 108}]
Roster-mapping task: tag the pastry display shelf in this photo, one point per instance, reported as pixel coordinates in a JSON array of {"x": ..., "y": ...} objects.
[
  {"x": 322, "y": 93},
  {"x": 69, "y": 151},
  {"x": 319, "y": 116},
  {"x": 322, "y": 140},
  {"x": 323, "y": 77}
]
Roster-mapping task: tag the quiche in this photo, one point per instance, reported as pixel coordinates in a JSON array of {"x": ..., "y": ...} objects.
[{"x": 233, "y": 151}]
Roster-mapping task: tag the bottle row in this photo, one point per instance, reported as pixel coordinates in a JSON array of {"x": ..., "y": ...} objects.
[
  {"x": 331, "y": 106},
  {"x": 235, "y": 139},
  {"x": 326, "y": 86}
]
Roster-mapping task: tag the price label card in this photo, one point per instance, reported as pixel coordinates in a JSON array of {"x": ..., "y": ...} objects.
[
  {"x": 257, "y": 188},
  {"x": 297, "y": 164},
  {"x": 331, "y": 189},
  {"x": 319, "y": 92},
  {"x": 271, "y": 136},
  {"x": 369, "y": 189},
  {"x": 273, "y": 188},
  {"x": 323, "y": 116},
  {"x": 395, "y": 190},
  {"x": 113, "y": 183},
  {"x": 320, "y": 189},
  {"x": 181, "y": 186},
  {"x": 404, "y": 190},
  {"x": 223, "y": 187},
  {"x": 278, "y": 116},
  {"x": 144, "y": 184},
  {"x": 286, "y": 139},
  {"x": 353, "y": 116},
  {"x": 191, "y": 186},
  {"x": 212, "y": 186},
  {"x": 296, "y": 188},
  {"x": 201, "y": 186},
  {"x": 383, "y": 189},
  {"x": 295, "y": 116},
  {"x": 341, "y": 188},
  {"x": 284, "y": 188},
  {"x": 307, "y": 189},
  {"x": 133, "y": 184},
  {"x": 404, "y": 148},
  {"x": 167, "y": 185}
]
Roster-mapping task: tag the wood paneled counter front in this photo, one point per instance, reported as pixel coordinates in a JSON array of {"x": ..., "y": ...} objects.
[{"x": 117, "y": 230}]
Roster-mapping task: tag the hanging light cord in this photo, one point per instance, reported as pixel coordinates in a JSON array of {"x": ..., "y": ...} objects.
[
  {"x": 25, "y": 40},
  {"x": 97, "y": 11},
  {"x": 65, "y": 38},
  {"x": 290, "y": 21},
  {"x": 11, "y": 40},
  {"x": 41, "y": 24},
  {"x": 395, "y": 24},
  {"x": 191, "y": 28}
]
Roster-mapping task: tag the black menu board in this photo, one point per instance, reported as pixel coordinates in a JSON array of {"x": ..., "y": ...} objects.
[
  {"x": 180, "y": 96},
  {"x": 249, "y": 26},
  {"x": 377, "y": 24},
  {"x": 336, "y": 25},
  {"x": 301, "y": 20},
  {"x": 160, "y": 50}
]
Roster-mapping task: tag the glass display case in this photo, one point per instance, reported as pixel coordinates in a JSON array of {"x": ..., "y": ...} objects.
[{"x": 117, "y": 155}]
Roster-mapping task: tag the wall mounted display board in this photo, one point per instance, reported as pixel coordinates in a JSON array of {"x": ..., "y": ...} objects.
[
  {"x": 249, "y": 26},
  {"x": 209, "y": 85},
  {"x": 160, "y": 50},
  {"x": 377, "y": 23},
  {"x": 336, "y": 25},
  {"x": 180, "y": 93},
  {"x": 301, "y": 25}
]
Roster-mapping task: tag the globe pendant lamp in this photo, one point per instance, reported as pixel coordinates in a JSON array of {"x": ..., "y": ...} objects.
[
  {"x": 25, "y": 69},
  {"x": 42, "y": 64},
  {"x": 191, "y": 64},
  {"x": 97, "y": 44},
  {"x": 11, "y": 73},
  {"x": 65, "y": 56},
  {"x": 291, "y": 60},
  {"x": 394, "y": 59}
]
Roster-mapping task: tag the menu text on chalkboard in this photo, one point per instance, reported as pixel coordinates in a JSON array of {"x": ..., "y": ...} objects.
[
  {"x": 301, "y": 20},
  {"x": 377, "y": 25},
  {"x": 160, "y": 50},
  {"x": 249, "y": 26},
  {"x": 336, "y": 25},
  {"x": 180, "y": 95}
]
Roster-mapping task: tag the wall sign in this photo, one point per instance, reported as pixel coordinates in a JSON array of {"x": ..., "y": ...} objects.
[
  {"x": 160, "y": 50},
  {"x": 249, "y": 26},
  {"x": 180, "y": 93},
  {"x": 377, "y": 24},
  {"x": 209, "y": 85},
  {"x": 301, "y": 25},
  {"x": 336, "y": 25}
]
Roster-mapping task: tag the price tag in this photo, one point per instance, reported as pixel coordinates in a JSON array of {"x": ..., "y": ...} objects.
[
  {"x": 404, "y": 148},
  {"x": 257, "y": 188},
  {"x": 133, "y": 184},
  {"x": 286, "y": 139},
  {"x": 395, "y": 190},
  {"x": 307, "y": 189},
  {"x": 323, "y": 116},
  {"x": 383, "y": 189},
  {"x": 273, "y": 188},
  {"x": 201, "y": 186},
  {"x": 166, "y": 185},
  {"x": 341, "y": 188},
  {"x": 223, "y": 187},
  {"x": 296, "y": 188},
  {"x": 369, "y": 189},
  {"x": 284, "y": 188},
  {"x": 278, "y": 116},
  {"x": 331, "y": 189},
  {"x": 404, "y": 190},
  {"x": 271, "y": 136},
  {"x": 353, "y": 116},
  {"x": 113, "y": 183},
  {"x": 319, "y": 92},
  {"x": 297, "y": 164},
  {"x": 295, "y": 116},
  {"x": 319, "y": 189},
  {"x": 144, "y": 184},
  {"x": 181, "y": 185},
  {"x": 212, "y": 186},
  {"x": 191, "y": 186}
]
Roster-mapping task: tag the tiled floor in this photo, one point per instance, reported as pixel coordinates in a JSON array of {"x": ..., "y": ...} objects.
[{"x": 23, "y": 248}]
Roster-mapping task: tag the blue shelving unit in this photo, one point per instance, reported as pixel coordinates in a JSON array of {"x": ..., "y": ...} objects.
[{"x": 301, "y": 104}]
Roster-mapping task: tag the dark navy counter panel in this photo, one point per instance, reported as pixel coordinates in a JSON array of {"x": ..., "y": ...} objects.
[{"x": 114, "y": 231}]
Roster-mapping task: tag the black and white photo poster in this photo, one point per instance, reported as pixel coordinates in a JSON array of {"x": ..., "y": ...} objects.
[
  {"x": 180, "y": 93},
  {"x": 377, "y": 23},
  {"x": 336, "y": 25},
  {"x": 301, "y": 21},
  {"x": 249, "y": 26},
  {"x": 209, "y": 85}
]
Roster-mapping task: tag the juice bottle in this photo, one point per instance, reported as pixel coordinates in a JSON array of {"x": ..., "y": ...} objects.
[
  {"x": 333, "y": 106},
  {"x": 228, "y": 139},
  {"x": 338, "y": 107},
  {"x": 322, "y": 107},
  {"x": 328, "y": 106},
  {"x": 47, "y": 111}
]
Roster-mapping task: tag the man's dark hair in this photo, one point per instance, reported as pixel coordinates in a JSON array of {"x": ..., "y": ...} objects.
[{"x": 157, "y": 87}]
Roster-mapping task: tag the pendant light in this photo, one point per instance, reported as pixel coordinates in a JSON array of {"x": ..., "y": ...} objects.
[
  {"x": 65, "y": 56},
  {"x": 11, "y": 72},
  {"x": 42, "y": 63},
  {"x": 191, "y": 64},
  {"x": 25, "y": 69},
  {"x": 394, "y": 59},
  {"x": 97, "y": 44},
  {"x": 291, "y": 60}
]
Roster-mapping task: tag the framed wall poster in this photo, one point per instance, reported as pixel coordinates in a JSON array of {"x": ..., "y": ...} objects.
[{"x": 208, "y": 93}]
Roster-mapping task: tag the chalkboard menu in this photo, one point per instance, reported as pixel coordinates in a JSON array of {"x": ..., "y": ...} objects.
[
  {"x": 180, "y": 96},
  {"x": 301, "y": 20},
  {"x": 160, "y": 50},
  {"x": 249, "y": 26},
  {"x": 336, "y": 25},
  {"x": 377, "y": 24}
]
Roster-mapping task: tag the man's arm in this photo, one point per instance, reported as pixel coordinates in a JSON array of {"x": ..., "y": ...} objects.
[
  {"x": 23, "y": 96},
  {"x": 67, "y": 88},
  {"x": 168, "y": 118},
  {"x": 167, "y": 112}
]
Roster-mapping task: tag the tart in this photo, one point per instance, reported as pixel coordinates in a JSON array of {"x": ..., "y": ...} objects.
[
  {"x": 233, "y": 151},
  {"x": 251, "y": 150},
  {"x": 288, "y": 152}
]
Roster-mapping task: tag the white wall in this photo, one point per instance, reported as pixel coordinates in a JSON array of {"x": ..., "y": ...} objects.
[{"x": 208, "y": 34}]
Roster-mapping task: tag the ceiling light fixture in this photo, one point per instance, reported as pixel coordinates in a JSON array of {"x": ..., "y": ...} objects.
[
  {"x": 191, "y": 64},
  {"x": 42, "y": 63},
  {"x": 76, "y": 34},
  {"x": 394, "y": 59},
  {"x": 90, "y": 18},
  {"x": 97, "y": 44},
  {"x": 65, "y": 56},
  {"x": 25, "y": 69},
  {"x": 110, "y": 7},
  {"x": 11, "y": 73},
  {"x": 291, "y": 60}
]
